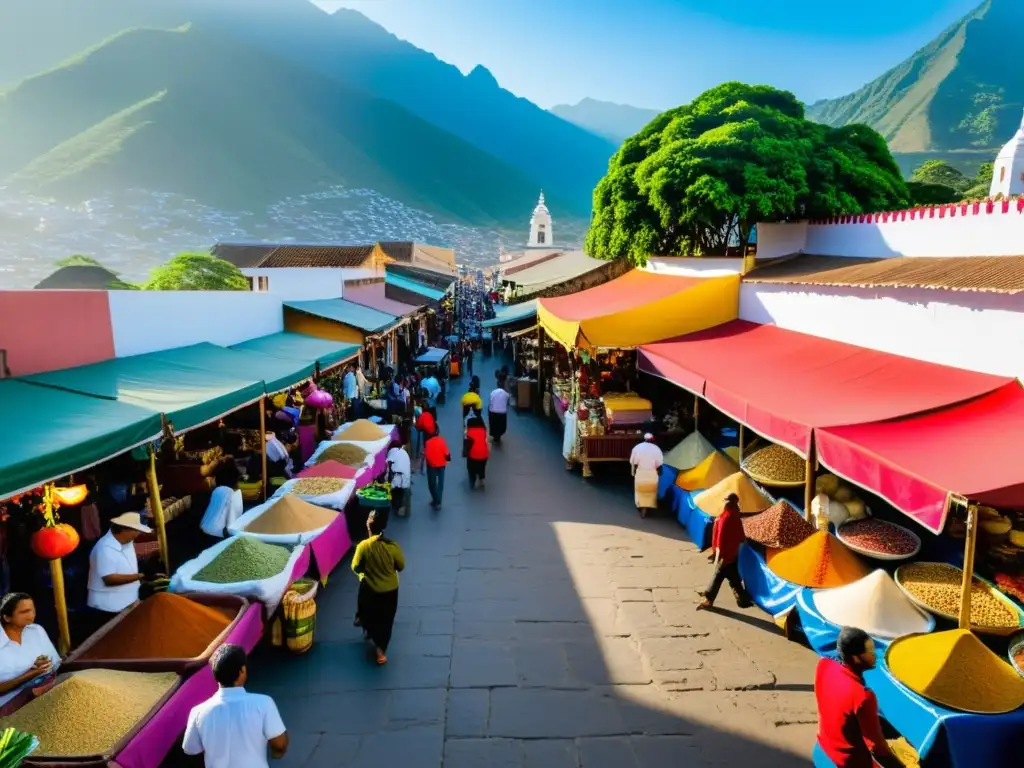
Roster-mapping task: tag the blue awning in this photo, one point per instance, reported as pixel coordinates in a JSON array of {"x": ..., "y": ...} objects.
[
  {"x": 512, "y": 314},
  {"x": 408, "y": 284},
  {"x": 347, "y": 313}
]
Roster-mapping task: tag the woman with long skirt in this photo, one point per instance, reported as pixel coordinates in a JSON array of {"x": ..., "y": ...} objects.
[{"x": 377, "y": 562}]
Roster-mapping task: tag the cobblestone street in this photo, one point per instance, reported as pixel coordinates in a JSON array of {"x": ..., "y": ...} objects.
[{"x": 543, "y": 623}]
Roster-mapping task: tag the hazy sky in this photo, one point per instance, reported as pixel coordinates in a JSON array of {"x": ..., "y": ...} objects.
[{"x": 659, "y": 53}]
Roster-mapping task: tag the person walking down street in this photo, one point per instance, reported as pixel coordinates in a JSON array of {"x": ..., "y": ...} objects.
[
  {"x": 645, "y": 462},
  {"x": 497, "y": 410},
  {"x": 471, "y": 400},
  {"x": 425, "y": 426},
  {"x": 477, "y": 450},
  {"x": 469, "y": 359},
  {"x": 377, "y": 562},
  {"x": 432, "y": 388},
  {"x": 400, "y": 477},
  {"x": 437, "y": 456},
  {"x": 725, "y": 543},
  {"x": 849, "y": 729}
]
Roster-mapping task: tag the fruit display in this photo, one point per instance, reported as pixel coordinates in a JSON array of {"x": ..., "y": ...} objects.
[
  {"x": 375, "y": 495},
  {"x": 936, "y": 587},
  {"x": 879, "y": 539},
  {"x": 775, "y": 465},
  {"x": 840, "y": 493}
]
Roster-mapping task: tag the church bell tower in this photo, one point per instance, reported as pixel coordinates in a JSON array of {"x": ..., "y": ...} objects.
[{"x": 541, "y": 235}]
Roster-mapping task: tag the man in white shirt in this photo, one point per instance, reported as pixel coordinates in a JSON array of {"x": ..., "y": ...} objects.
[
  {"x": 232, "y": 728},
  {"x": 497, "y": 410},
  {"x": 645, "y": 461},
  {"x": 114, "y": 568},
  {"x": 349, "y": 385},
  {"x": 433, "y": 388},
  {"x": 400, "y": 466}
]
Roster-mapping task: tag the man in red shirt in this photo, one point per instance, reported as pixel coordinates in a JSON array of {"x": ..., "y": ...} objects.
[
  {"x": 437, "y": 456},
  {"x": 725, "y": 545},
  {"x": 849, "y": 730}
]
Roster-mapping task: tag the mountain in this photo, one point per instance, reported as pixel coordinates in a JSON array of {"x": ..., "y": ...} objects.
[
  {"x": 616, "y": 122},
  {"x": 192, "y": 112},
  {"x": 962, "y": 91}
]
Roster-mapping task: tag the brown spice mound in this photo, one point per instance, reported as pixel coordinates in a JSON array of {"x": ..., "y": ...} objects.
[
  {"x": 362, "y": 431},
  {"x": 292, "y": 515},
  {"x": 778, "y": 527},
  {"x": 343, "y": 453},
  {"x": 166, "y": 626}
]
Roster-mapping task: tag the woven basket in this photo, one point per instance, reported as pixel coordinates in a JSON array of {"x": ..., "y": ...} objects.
[{"x": 298, "y": 610}]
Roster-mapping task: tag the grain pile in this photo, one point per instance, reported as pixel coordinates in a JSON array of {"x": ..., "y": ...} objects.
[
  {"x": 362, "y": 431},
  {"x": 318, "y": 486},
  {"x": 330, "y": 469},
  {"x": 955, "y": 669},
  {"x": 90, "y": 712},
  {"x": 820, "y": 561},
  {"x": 712, "y": 501},
  {"x": 245, "y": 559},
  {"x": 875, "y": 604},
  {"x": 880, "y": 537},
  {"x": 166, "y": 626},
  {"x": 690, "y": 452},
  {"x": 778, "y": 527},
  {"x": 292, "y": 515},
  {"x": 713, "y": 470},
  {"x": 776, "y": 465},
  {"x": 343, "y": 453},
  {"x": 937, "y": 586}
]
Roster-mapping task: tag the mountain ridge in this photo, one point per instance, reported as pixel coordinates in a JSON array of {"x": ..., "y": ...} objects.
[{"x": 616, "y": 122}]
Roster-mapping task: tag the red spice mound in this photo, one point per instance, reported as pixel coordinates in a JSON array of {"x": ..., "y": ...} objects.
[
  {"x": 778, "y": 527},
  {"x": 879, "y": 536}
]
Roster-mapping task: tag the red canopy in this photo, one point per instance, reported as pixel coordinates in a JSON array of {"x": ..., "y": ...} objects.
[
  {"x": 782, "y": 384},
  {"x": 970, "y": 449}
]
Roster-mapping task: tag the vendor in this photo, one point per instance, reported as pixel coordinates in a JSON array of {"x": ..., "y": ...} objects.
[
  {"x": 114, "y": 576},
  {"x": 849, "y": 729},
  {"x": 26, "y": 653},
  {"x": 645, "y": 461}
]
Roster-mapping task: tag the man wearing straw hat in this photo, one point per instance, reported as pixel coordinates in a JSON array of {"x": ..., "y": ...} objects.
[
  {"x": 114, "y": 576},
  {"x": 645, "y": 461}
]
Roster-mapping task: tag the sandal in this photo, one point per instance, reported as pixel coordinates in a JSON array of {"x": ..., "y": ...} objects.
[
  {"x": 381, "y": 658},
  {"x": 705, "y": 605}
]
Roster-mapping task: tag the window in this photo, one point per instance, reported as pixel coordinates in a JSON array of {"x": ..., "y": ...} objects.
[
  {"x": 252, "y": 287},
  {"x": 540, "y": 236},
  {"x": 264, "y": 284},
  {"x": 1002, "y": 173}
]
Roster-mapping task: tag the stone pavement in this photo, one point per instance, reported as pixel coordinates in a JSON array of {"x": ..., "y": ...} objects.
[{"x": 543, "y": 623}]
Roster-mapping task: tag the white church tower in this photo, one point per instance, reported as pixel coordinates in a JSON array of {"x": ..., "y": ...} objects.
[
  {"x": 541, "y": 235},
  {"x": 1008, "y": 171}
]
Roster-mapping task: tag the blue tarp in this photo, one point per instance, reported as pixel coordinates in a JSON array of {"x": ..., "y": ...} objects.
[
  {"x": 772, "y": 594},
  {"x": 698, "y": 524}
]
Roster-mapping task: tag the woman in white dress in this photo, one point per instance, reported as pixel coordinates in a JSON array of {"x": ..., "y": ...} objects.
[{"x": 27, "y": 657}]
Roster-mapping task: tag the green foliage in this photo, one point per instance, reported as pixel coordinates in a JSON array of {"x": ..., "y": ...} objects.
[
  {"x": 698, "y": 177},
  {"x": 196, "y": 272},
  {"x": 78, "y": 260},
  {"x": 927, "y": 193},
  {"x": 985, "y": 174},
  {"x": 941, "y": 173}
]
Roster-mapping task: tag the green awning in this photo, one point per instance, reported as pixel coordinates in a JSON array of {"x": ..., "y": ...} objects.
[
  {"x": 276, "y": 373},
  {"x": 513, "y": 313},
  {"x": 347, "y": 313},
  {"x": 189, "y": 396},
  {"x": 414, "y": 286},
  {"x": 300, "y": 347},
  {"x": 49, "y": 433}
]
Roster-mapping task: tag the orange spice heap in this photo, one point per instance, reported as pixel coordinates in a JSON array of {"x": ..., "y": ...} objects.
[{"x": 819, "y": 561}]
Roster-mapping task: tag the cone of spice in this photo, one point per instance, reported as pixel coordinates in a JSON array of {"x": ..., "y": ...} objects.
[
  {"x": 875, "y": 604},
  {"x": 166, "y": 626},
  {"x": 712, "y": 501},
  {"x": 343, "y": 453},
  {"x": 820, "y": 561},
  {"x": 713, "y": 470},
  {"x": 245, "y": 559},
  {"x": 690, "y": 452},
  {"x": 330, "y": 468},
  {"x": 955, "y": 669},
  {"x": 778, "y": 527},
  {"x": 361, "y": 431},
  {"x": 291, "y": 515}
]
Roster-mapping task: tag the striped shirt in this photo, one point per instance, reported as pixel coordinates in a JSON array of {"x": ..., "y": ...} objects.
[{"x": 377, "y": 562}]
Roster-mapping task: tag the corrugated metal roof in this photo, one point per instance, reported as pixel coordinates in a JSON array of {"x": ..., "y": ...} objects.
[
  {"x": 414, "y": 286},
  {"x": 563, "y": 267},
  {"x": 243, "y": 255},
  {"x": 347, "y": 313},
  {"x": 373, "y": 296},
  {"x": 399, "y": 250},
  {"x": 993, "y": 274},
  {"x": 317, "y": 256}
]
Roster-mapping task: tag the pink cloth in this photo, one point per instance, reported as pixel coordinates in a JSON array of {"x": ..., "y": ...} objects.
[
  {"x": 155, "y": 740},
  {"x": 331, "y": 546},
  {"x": 301, "y": 566},
  {"x": 249, "y": 629},
  {"x": 307, "y": 441}
]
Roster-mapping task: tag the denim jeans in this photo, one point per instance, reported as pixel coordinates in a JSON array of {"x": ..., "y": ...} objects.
[{"x": 435, "y": 482}]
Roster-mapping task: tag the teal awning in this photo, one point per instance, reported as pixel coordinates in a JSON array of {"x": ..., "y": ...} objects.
[
  {"x": 188, "y": 395},
  {"x": 49, "y": 433},
  {"x": 276, "y": 373},
  {"x": 300, "y": 347},
  {"x": 513, "y": 313},
  {"x": 346, "y": 312},
  {"x": 415, "y": 286}
]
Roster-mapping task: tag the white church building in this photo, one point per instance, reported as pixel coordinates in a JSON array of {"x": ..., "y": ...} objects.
[
  {"x": 539, "y": 245},
  {"x": 1008, "y": 170}
]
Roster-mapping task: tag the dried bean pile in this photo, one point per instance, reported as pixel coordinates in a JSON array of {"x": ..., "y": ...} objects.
[
  {"x": 245, "y": 559},
  {"x": 779, "y": 527},
  {"x": 317, "y": 486},
  {"x": 343, "y": 453},
  {"x": 937, "y": 585},
  {"x": 777, "y": 464},
  {"x": 878, "y": 536}
]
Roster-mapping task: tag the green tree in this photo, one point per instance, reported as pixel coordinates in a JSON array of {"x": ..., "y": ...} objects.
[
  {"x": 78, "y": 260},
  {"x": 982, "y": 183},
  {"x": 925, "y": 193},
  {"x": 698, "y": 177},
  {"x": 196, "y": 272},
  {"x": 942, "y": 173}
]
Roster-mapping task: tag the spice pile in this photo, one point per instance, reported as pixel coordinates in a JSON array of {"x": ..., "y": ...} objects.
[
  {"x": 879, "y": 537},
  {"x": 291, "y": 515},
  {"x": 712, "y": 501},
  {"x": 690, "y": 452},
  {"x": 776, "y": 464},
  {"x": 91, "y": 711},
  {"x": 166, "y": 626},
  {"x": 937, "y": 586},
  {"x": 955, "y": 669},
  {"x": 318, "y": 486},
  {"x": 875, "y": 604},
  {"x": 362, "y": 431},
  {"x": 245, "y": 559},
  {"x": 778, "y": 527},
  {"x": 343, "y": 453},
  {"x": 713, "y": 470},
  {"x": 820, "y": 561},
  {"x": 330, "y": 469}
]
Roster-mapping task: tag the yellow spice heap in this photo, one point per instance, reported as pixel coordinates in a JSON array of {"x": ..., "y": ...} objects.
[{"x": 955, "y": 669}]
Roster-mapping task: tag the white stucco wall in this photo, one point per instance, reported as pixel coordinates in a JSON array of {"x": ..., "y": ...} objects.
[
  {"x": 148, "y": 321},
  {"x": 308, "y": 283},
  {"x": 781, "y": 239},
  {"x": 976, "y": 331},
  {"x": 683, "y": 266}
]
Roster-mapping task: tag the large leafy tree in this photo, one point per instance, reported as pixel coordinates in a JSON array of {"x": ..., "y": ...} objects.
[
  {"x": 941, "y": 172},
  {"x": 80, "y": 260},
  {"x": 196, "y": 272},
  {"x": 698, "y": 177}
]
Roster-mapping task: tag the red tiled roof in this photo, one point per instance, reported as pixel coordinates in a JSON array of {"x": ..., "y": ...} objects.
[{"x": 318, "y": 256}]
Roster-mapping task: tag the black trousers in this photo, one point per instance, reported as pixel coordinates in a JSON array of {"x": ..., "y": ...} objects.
[
  {"x": 376, "y": 611},
  {"x": 397, "y": 499},
  {"x": 730, "y": 572},
  {"x": 477, "y": 470}
]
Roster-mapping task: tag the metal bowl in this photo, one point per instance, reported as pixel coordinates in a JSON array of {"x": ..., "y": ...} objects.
[
  {"x": 980, "y": 629},
  {"x": 879, "y": 555}
]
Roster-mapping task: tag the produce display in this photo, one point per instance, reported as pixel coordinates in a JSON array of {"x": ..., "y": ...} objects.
[
  {"x": 15, "y": 746},
  {"x": 690, "y": 452},
  {"x": 775, "y": 465},
  {"x": 343, "y": 453},
  {"x": 875, "y": 604},
  {"x": 166, "y": 626},
  {"x": 936, "y": 586},
  {"x": 955, "y": 669},
  {"x": 375, "y": 495},
  {"x": 712, "y": 501},
  {"x": 778, "y": 527},
  {"x": 1010, "y": 585},
  {"x": 820, "y": 561},
  {"x": 292, "y": 515},
  {"x": 90, "y": 711},
  {"x": 362, "y": 431},
  {"x": 715, "y": 468},
  {"x": 840, "y": 494},
  {"x": 871, "y": 536},
  {"x": 245, "y": 559},
  {"x": 318, "y": 486}
]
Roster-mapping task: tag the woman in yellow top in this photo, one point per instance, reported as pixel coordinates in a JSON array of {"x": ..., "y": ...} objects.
[
  {"x": 471, "y": 400},
  {"x": 376, "y": 562}
]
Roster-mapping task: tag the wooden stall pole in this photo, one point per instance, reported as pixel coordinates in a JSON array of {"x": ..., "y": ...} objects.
[
  {"x": 263, "y": 442},
  {"x": 809, "y": 479},
  {"x": 741, "y": 435},
  {"x": 696, "y": 412},
  {"x": 60, "y": 603},
  {"x": 541, "y": 340},
  {"x": 157, "y": 508},
  {"x": 970, "y": 542}
]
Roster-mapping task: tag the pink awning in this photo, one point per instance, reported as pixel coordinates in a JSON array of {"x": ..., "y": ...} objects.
[{"x": 372, "y": 295}]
